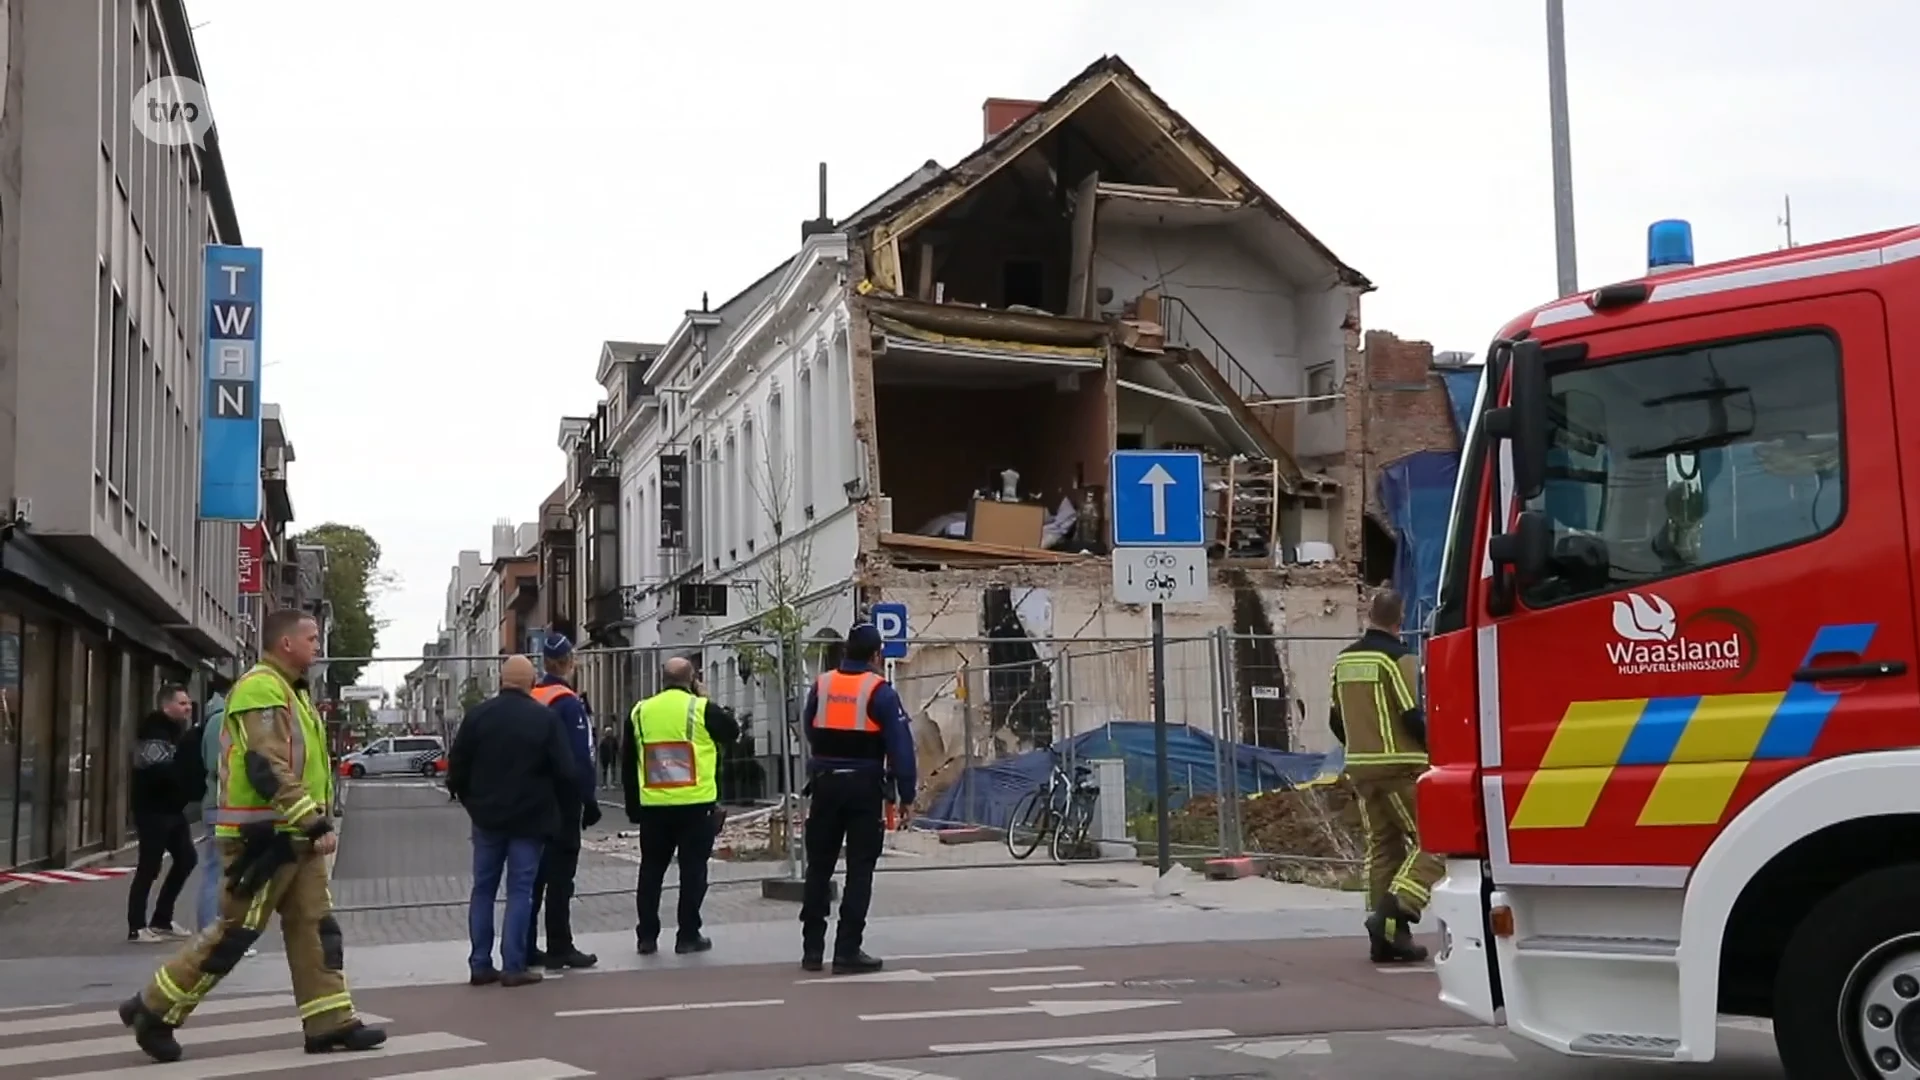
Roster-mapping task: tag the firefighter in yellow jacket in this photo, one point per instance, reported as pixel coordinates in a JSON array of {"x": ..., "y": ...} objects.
[
  {"x": 273, "y": 834},
  {"x": 1377, "y": 716}
]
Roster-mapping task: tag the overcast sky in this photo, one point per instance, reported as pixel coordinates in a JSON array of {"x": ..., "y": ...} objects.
[{"x": 460, "y": 199}]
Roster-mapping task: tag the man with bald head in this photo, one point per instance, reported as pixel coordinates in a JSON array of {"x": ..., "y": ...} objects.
[
  {"x": 669, "y": 767},
  {"x": 512, "y": 767}
]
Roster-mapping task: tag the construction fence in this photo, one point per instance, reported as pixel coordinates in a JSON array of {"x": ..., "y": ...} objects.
[{"x": 1253, "y": 763}]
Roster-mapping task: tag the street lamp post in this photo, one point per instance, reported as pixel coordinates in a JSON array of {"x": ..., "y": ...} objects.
[{"x": 1564, "y": 259}]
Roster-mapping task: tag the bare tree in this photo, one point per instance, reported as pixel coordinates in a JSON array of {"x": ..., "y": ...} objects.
[{"x": 784, "y": 580}]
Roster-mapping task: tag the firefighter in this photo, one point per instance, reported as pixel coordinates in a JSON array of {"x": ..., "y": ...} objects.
[
  {"x": 861, "y": 745},
  {"x": 1384, "y": 729},
  {"x": 274, "y": 836}
]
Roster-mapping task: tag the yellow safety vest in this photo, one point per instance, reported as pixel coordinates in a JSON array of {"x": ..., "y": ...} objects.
[
  {"x": 265, "y": 687},
  {"x": 677, "y": 756}
]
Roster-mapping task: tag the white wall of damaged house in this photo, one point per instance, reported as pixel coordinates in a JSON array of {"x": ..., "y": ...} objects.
[
  {"x": 1278, "y": 330},
  {"x": 1097, "y": 654}
]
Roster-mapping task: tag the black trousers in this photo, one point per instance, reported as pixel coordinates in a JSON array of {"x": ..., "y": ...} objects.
[
  {"x": 669, "y": 835},
  {"x": 161, "y": 836},
  {"x": 553, "y": 886},
  {"x": 847, "y": 808}
]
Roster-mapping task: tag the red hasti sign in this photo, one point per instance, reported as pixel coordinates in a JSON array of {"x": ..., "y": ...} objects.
[{"x": 252, "y": 554}]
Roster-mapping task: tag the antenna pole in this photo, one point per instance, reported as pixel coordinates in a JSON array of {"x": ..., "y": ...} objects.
[
  {"x": 1565, "y": 262},
  {"x": 1786, "y": 219}
]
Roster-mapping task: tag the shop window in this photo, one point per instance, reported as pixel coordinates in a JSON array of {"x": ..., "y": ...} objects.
[
  {"x": 9, "y": 731},
  {"x": 34, "y": 806},
  {"x": 97, "y": 763}
]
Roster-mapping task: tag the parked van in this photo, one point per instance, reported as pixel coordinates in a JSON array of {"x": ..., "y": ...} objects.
[{"x": 422, "y": 754}]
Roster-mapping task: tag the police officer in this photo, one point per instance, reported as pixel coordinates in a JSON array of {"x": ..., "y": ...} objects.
[
  {"x": 560, "y": 859},
  {"x": 857, "y": 732},
  {"x": 273, "y": 836},
  {"x": 669, "y": 769},
  {"x": 1384, "y": 729}
]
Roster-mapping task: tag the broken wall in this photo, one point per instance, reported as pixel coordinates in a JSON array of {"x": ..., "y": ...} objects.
[{"x": 1406, "y": 407}]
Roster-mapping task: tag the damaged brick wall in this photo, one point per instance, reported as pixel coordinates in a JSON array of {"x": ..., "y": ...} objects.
[{"x": 1407, "y": 409}]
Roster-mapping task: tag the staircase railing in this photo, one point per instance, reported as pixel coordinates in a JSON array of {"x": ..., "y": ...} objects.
[{"x": 1184, "y": 327}]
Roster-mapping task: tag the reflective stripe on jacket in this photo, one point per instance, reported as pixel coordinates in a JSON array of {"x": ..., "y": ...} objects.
[{"x": 678, "y": 758}]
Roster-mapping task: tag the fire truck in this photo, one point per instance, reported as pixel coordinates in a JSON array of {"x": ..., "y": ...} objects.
[{"x": 1673, "y": 712}]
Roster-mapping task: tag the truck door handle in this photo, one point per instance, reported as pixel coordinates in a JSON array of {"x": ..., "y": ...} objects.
[{"x": 1877, "y": 669}]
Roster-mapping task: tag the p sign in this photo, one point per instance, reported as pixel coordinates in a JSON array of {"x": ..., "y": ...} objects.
[{"x": 891, "y": 621}]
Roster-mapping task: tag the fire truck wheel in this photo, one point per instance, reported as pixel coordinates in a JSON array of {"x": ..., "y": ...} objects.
[{"x": 1846, "y": 998}]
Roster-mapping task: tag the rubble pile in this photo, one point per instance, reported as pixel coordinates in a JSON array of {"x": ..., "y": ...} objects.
[{"x": 1318, "y": 826}]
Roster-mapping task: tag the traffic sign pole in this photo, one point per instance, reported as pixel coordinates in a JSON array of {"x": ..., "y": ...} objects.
[
  {"x": 1162, "y": 783},
  {"x": 1160, "y": 542}
]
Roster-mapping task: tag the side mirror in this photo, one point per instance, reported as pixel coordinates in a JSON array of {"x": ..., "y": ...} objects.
[
  {"x": 1529, "y": 402},
  {"x": 1527, "y": 547}
]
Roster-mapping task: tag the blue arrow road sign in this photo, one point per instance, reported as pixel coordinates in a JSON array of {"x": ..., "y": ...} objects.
[
  {"x": 891, "y": 621},
  {"x": 1157, "y": 499}
]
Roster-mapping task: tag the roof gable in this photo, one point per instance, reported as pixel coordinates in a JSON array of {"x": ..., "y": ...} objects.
[{"x": 1115, "y": 101}]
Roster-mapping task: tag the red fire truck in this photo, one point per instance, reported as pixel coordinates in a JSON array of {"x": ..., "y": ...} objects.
[{"x": 1673, "y": 708}]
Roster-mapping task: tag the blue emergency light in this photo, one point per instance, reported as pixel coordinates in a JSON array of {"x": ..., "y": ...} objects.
[{"x": 1669, "y": 246}]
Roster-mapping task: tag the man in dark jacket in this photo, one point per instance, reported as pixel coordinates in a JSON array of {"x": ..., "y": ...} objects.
[
  {"x": 578, "y": 809},
  {"x": 159, "y": 808},
  {"x": 510, "y": 766}
]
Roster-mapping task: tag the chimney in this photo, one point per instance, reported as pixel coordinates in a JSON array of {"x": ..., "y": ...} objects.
[
  {"x": 1003, "y": 113},
  {"x": 823, "y": 223},
  {"x": 503, "y": 538}
]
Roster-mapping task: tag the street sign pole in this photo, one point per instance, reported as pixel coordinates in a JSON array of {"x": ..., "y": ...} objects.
[
  {"x": 1159, "y": 557},
  {"x": 1162, "y": 782}
]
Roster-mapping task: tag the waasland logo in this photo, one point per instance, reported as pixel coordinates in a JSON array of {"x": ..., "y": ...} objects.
[
  {"x": 1653, "y": 640},
  {"x": 172, "y": 111}
]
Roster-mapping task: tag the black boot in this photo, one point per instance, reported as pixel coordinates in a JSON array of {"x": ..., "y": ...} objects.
[
  {"x": 813, "y": 956},
  {"x": 572, "y": 958},
  {"x": 856, "y": 963},
  {"x": 152, "y": 1034},
  {"x": 697, "y": 944},
  {"x": 354, "y": 1038},
  {"x": 1390, "y": 935}
]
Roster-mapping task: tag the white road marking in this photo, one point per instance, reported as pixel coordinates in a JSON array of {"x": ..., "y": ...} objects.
[
  {"x": 891, "y": 1072},
  {"x": 1747, "y": 1023},
  {"x": 1455, "y": 1044},
  {"x": 1051, "y": 986},
  {"x": 962, "y": 955},
  {"x": 681, "y": 1006},
  {"x": 266, "y": 1062},
  {"x": 1275, "y": 1049},
  {"x": 42, "y": 1025},
  {"x": 1406, "y": 969},
  {"x": 1131, "y": 1065},
  {"x": 17, "y": 1009},
  {"x": 1061, "y": 1041},
  {"x": 904, "y": 975},
  {"x": 1050, "y": 1008},
  {"x": 529, "y": 1069},
  {"x": 117, "y": 1044}
]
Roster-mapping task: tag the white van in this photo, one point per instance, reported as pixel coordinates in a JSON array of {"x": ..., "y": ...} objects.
[{"x": 420, "y": 754}]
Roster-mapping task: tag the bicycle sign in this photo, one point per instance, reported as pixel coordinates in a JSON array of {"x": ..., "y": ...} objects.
[{"x": 1160, "y": 575}]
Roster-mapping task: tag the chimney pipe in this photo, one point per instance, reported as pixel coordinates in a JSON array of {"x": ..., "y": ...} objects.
[{"x": 822, "y": 224}]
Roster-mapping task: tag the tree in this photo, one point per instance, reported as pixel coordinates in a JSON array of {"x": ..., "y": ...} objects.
[
  {"x": 354, "y": 582},
  {"x": 782, "y": 586}
]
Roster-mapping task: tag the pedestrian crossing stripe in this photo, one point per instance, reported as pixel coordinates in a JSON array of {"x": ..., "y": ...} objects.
[
  {"x": 66, "y": 877},
  {"x": 204, "y": 1062}
]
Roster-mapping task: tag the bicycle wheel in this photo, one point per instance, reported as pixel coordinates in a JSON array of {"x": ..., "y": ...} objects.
[
  {"x": 1026, "y": 826},
  {"x": 1070, "y": 834}
]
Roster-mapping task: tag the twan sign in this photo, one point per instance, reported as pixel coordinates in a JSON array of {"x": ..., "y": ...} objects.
[
  {"x": 230, "y": 420},
  {"x": 253, "y": 558}
]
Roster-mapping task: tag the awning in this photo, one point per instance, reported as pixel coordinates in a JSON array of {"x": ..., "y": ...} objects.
[{"x": 27, "y": 558}]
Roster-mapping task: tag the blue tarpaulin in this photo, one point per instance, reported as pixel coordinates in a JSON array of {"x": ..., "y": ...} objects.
[
  {"x": 1417, "y": 494},
  {"x": 1462, "y": 384},
  {"x": 985, "y": 794}
]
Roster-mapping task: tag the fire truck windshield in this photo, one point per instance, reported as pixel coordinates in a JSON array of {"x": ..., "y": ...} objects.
[
  {"x": 1466, "y": 494},
  {"x": 1663, "y": 464}
]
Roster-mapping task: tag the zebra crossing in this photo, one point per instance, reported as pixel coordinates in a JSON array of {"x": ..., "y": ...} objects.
[{"x": 240, "y": 1037}]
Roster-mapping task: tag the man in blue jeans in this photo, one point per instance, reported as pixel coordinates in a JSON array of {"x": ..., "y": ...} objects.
[{"x": 510, "y": 766}]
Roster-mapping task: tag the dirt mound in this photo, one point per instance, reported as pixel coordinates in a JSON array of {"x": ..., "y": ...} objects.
[{"x": 1319, "y": 826}]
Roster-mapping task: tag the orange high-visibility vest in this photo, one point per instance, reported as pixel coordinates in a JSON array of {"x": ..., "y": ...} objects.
[{"x": 842, "y": 701}]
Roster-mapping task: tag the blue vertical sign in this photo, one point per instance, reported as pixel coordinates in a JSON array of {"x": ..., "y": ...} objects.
[{"x": 230, "y": 417}]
